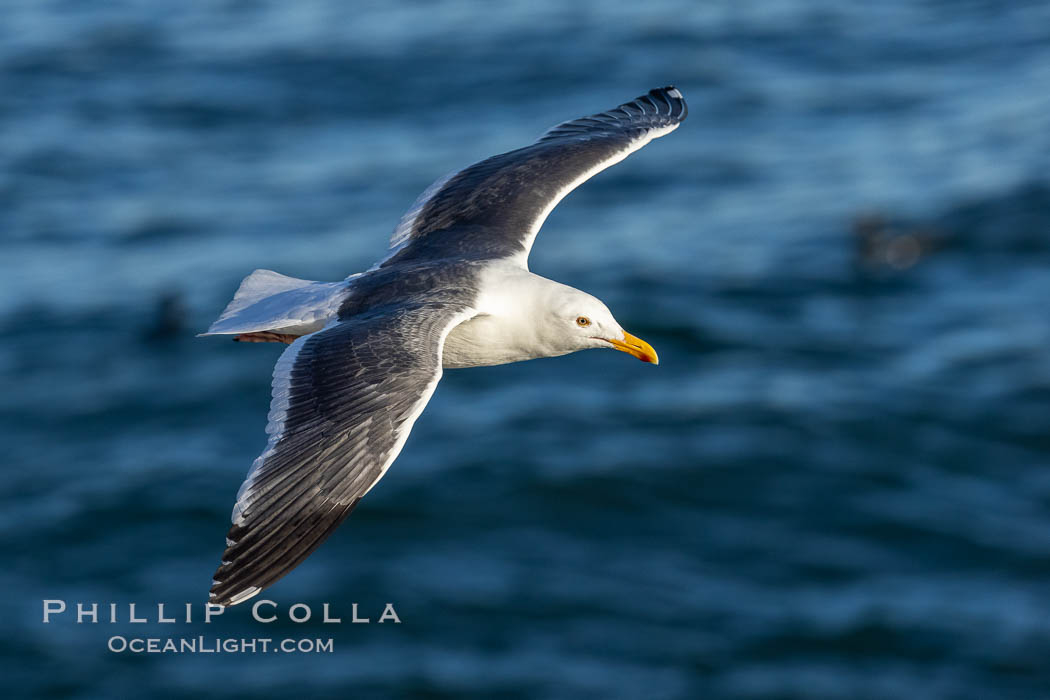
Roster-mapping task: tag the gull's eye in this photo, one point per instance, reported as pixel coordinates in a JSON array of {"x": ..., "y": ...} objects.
[{"x": 583, "y": 321}]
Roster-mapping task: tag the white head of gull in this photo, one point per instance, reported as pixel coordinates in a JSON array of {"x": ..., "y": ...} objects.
[{"x": 366, "y": 353}]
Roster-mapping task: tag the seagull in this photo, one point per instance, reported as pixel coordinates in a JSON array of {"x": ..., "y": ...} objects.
[{"x": 365, "y": 354}]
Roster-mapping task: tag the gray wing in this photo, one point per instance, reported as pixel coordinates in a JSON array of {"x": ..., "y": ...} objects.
[
  {"x": 494, "y": 208},
  {"x": 344, "y": 401}
]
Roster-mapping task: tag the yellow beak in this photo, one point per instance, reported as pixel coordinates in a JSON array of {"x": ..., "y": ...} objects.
[{"x": 636, "y": 346}]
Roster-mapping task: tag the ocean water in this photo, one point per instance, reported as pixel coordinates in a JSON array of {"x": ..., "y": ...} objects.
[{"x": 836, "y": 483}]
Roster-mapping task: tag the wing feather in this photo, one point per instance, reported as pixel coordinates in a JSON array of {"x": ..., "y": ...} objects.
[
  {"x": 344, "y": 401},
  {"x": 494, "y": 208}
]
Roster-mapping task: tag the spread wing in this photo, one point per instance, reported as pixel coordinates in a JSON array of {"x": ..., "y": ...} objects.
[
  {"x": 344, "y": 401},
  {"x": 494, "y": 208}
]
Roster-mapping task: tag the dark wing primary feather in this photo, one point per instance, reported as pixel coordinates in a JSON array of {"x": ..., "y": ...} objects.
[
  {"x": 493, "y": 209},
  {"x": 344, "y": 401}
]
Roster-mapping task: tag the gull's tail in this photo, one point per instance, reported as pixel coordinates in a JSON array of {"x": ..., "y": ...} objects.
[{"x": 270, "y": 301}]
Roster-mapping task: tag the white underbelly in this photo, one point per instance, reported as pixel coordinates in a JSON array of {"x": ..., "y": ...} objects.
[{"x": 483, "y": 341}]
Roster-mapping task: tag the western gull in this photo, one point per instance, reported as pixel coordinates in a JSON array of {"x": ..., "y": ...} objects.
[{"x": 366, "y": 353}]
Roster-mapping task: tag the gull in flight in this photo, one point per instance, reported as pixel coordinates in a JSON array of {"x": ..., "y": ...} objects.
[{"x": 365, "y": 354}]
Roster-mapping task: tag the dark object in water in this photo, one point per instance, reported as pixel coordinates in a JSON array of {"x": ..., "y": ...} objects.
[
  {"x": 881, "y": 244},
  {"x": 169, "y": 319}
]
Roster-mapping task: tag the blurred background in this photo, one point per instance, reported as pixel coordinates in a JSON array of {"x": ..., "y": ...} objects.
[{"x": 834, "y": 485}]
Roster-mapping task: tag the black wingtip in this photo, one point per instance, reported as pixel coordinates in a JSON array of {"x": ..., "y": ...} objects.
[
  {"x": 257, "y": 557},
  {"x": 674, "y": 99}
]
